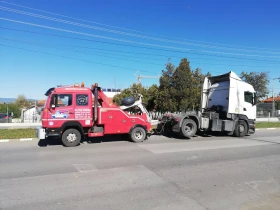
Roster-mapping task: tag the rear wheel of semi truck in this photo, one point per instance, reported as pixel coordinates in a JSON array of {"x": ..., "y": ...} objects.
[
  {"x": 241, "y": 129},
  {"x": 71, "y": 137},
  {"x": 188, "y": 128},
  {"x": 138, "y": 134}
]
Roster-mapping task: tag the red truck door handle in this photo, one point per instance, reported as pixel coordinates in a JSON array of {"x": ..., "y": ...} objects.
[{"x": 71, "y": 112}]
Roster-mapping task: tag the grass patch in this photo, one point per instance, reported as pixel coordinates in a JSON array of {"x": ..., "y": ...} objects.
[
  {"x": 268, "y": 125},
  {"x": 17, "y": 133}
]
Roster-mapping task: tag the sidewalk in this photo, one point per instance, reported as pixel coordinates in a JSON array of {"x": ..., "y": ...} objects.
[
  {"x": 21, "y": 139},
  {"x": 19, "y": 125},
  {"x": 268, "y": 119}
]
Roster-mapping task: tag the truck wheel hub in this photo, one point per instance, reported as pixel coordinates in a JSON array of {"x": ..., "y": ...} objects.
[
  {"x": 138, "y": 135},
  {"x": 71, "y": 137},
  {"x": 188, "y": 128},
  {"x": 241, "y": 128}
]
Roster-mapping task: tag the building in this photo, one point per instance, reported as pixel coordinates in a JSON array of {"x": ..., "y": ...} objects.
[{"x": 269, "y": 100}]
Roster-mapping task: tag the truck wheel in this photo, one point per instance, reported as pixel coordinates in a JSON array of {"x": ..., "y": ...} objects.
[
  {"x": 241, "y": 129},
  {"x": 138, "y": 134},
  {"x": 71, "y": 137},
  {"x": 188, "y": 128}
]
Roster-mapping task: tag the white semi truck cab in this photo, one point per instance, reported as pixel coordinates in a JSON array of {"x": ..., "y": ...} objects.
[{"x": 228, "y": 105}]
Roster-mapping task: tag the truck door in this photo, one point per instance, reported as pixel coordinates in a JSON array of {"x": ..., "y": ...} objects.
[
  {"x": 61, "y": 110},
  {"x": 249, "y": 108}
]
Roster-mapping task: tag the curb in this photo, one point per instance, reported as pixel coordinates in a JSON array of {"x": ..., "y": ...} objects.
[{"x": 22, "y": 139}]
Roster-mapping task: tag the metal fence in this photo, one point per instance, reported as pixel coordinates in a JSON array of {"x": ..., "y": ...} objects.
[
  {"x": 265, "y": 114},
  {"x": 265, "y": 110},
  {"x": 157, "y": 115}
]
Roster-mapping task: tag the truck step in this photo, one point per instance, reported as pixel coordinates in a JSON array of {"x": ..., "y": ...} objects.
[
  {"x": 97, "y": 129},
  {"x": 95, "y": 134}
]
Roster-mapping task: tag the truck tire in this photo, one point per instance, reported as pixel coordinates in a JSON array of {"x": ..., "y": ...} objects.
[
  {"x": 188, "y": 128},
  {"x": 241, "y": 129},
  {"x": 128, "y": 101},
  {"x": 138, "y": 134},
  {"x": 71, "y": 137}
]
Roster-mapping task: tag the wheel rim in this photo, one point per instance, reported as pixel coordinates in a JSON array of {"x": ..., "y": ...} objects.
[
  {"x": 188, "y": 128},
  {"x": 71, "y": 137},
  {"x": 241, "y": 128},
  {"x": 138, "y": 135}
]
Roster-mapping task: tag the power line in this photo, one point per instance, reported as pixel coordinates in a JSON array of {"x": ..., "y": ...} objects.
[
  {"x": 45, "y": 45},
  {"x": 124, "y": 33},
  {"x": 90, "y": 48},
  {"x": 83, "y": 60},
  {"x": 119, "y": 44},
  {"x": 30, "y": 8},
  {"x": 123, "y": 58},
  {"x": 77, "y": 51},
  {"x": 127, "y": 41},
  {"x": 62, "y": 56},
  {"x": 65, "y": 16}
]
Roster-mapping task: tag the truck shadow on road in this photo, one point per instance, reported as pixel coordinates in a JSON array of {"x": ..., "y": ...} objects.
[{"x": 108, "y": 138}]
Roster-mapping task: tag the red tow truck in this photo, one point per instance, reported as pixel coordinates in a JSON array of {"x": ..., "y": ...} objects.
[{"x": 76, "y": 112}]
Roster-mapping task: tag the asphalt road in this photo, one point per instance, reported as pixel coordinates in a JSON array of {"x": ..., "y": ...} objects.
[{"x": 213, "y": 172}]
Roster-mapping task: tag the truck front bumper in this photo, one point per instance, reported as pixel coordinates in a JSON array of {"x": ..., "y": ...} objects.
[
  {"x": 41, "y": 133},
  {"x": 252, "y": 126},
  {"x": 176, "y": 128}
]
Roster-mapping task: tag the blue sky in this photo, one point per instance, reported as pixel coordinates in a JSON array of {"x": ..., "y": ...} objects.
[{"x": 108, "y": 41}]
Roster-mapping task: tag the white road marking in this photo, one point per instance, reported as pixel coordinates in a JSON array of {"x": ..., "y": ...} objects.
[
  {"x": 4, "y": 140},
  {"x": 26, "y": 139},
  {"x": 271, "y": 128}
]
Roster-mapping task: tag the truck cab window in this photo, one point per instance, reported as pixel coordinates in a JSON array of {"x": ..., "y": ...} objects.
[
  {"x": 61, "y": 100},
  {"x": 249, "y": 97}
]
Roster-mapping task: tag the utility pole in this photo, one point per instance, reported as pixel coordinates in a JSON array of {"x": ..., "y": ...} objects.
[
  {"x": 273, "y": 103},
  {"x": 7, "y": 111}
]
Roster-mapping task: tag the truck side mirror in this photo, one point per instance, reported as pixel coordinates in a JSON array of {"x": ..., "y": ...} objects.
[{"x": 255, "y": 99}]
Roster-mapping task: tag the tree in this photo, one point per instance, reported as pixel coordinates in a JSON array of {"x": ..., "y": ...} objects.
[
  {"x": 180, "y": 88},
  {"x": 259, "y": 80},
  {"x": 197, "y": 80},
  {"x": 182, "y": 82},
  {"x": 149, "y": 95},
  {"x": 166, "y": 90},
  {"x": 133, "y": 90},
  {"x": 152, "y": 96},
  {"x": 21, "y": 102},
  {"x": 13, "y": 108}
]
